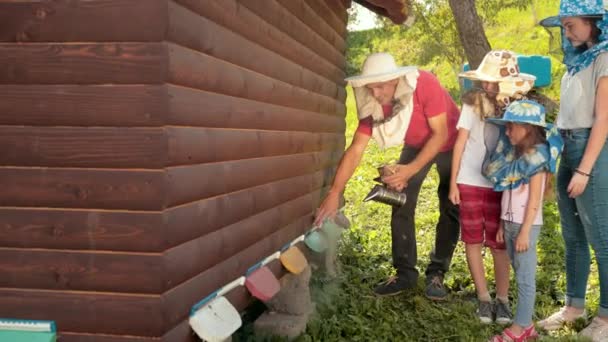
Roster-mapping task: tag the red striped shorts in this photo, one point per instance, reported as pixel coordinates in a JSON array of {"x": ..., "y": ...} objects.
[{"x": 479, "y": 215}]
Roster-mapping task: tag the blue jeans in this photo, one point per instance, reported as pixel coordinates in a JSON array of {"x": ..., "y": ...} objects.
[
  {"x": 524, "y": 265},
  {"x": 584, "y": 220}
]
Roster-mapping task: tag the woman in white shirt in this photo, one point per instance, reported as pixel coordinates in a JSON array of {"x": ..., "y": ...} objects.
[{"x": 582, "y": 181}]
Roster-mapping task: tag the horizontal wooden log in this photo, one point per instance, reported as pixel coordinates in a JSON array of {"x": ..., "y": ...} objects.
[
  {"x": 182, "y": 333},
  {"x": 318, "y": 22},
  {"x": 131, "y": 231},
  {"x": 116, "y": 147},
  {"x": 82, "y": 188},
  {"x": 234, "y": 16},
  {"x": 85, "y": 312},
  {"x": 178, "y": 301},
  {"x": 66, "y": 336},
  {"x": 204, "y": 217},
  {"x": 82, "y": 270},
  {"x": 82, "y": 20},
  {"x": 333, "y": 12},
  {"x": 279, "y": 17},
  {"x": 82, "y": 63},
  {"x": 191, "y": 107},
  {"x": 193, "y": 257},
  {"x": 191, "y": 30},
  {"x": 192, "y": 183},
  {"x": 83, "y": 105},
  {"x": 82, "y": 229},
  {"x": 193, "y": 69},
  {"x": 206, "y": 145},
  {"x": 340, "y": 11}
]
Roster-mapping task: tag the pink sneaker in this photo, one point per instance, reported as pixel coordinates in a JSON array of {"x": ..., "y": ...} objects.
[
  {"x": 558, "y": 319},
  {"x": 529, "y": 334}
]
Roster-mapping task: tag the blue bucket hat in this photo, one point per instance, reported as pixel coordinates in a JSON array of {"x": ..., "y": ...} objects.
[
  {"x": 575, "y": 8},
  {"x": 524, "y": 111},
  {"x": 574, "y": 59},
  {"x": 502, "y": 167}
]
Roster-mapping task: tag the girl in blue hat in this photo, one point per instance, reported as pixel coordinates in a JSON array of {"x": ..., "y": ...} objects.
[
  {"x": 526, "y": 151},
  {"x": 582, "y": 181}
]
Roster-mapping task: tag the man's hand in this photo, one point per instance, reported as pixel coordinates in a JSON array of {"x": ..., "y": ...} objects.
[
  {"x": 400, "y": 178},
  {"x": 454, "y": 195},
  {"x": 328, "y": 208}
]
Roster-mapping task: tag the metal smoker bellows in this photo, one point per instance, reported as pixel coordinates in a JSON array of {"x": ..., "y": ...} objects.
[
  {"x": 380, "y": 193},
  {"x": 383, "y": 195}
]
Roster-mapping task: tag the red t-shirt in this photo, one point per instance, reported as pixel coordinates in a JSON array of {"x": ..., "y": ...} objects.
[{"x": 430, "y": 99}]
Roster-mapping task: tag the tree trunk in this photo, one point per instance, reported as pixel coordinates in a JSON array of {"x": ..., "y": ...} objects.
[{"x": 470, "y": 30}]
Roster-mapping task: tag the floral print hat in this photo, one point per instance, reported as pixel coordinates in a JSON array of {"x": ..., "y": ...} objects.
[
  {"x": 575, "y": 8},
  {"x": 574, "y": 59},
  {"x": 502, "y": 167},
  {"x": 501, "y": 66}
]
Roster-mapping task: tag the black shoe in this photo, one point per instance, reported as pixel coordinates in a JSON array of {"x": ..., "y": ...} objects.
[
  {"x": 503, "y": 313},
  {"x": 485, "y": 312},
  {"x": 394, "y": 285},
  {"x": 435, "y": 290}
]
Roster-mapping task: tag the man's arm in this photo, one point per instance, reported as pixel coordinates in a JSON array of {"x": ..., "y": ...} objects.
[
  {"x": 439, "y": 136},
  {"x": 350, "y": 160}
]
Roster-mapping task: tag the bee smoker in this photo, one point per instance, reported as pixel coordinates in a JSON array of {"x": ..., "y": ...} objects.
[{"x": 380, "y": 193}]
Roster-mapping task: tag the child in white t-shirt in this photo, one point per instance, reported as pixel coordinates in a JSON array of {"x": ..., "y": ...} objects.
[{"x": 479, "y": 203}]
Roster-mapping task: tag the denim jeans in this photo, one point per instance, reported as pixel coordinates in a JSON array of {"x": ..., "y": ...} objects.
[
  {"x": 584, "y": 220},
  {"x": 403, "y": 222},
  {"x": 524, "y": 265}
]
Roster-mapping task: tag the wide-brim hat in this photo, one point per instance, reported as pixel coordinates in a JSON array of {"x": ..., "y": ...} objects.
[
  {"x": 575, "y": 8},
  {"x": 379, "y": 67},
  {"x": 502, "y": 167},
  {"x": 523, "y": 112},
  {"x": 498, "y": 66}
]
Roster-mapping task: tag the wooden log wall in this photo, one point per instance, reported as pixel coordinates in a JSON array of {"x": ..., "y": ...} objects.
[{"x": 153, "y": 150}]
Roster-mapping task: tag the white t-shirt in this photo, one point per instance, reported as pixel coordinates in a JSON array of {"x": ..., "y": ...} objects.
[
  {"x": 474, "y": 149},
  {"x": 577, "y": 104}
]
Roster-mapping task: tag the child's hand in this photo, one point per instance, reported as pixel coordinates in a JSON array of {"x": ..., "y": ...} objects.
[
  {"x": 500, "y": 234},
  {"x": 522, "y": 243},
  {"x": 454, "y": 195}
]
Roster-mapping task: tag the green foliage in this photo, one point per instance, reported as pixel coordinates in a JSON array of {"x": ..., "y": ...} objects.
[{"x": 432, "y": 43}]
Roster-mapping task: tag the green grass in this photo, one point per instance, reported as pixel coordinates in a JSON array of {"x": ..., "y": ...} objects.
[{"x": 347, "y": 309}]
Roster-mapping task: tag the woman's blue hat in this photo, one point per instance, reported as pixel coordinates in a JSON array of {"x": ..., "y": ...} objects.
[
  {"x": 575, "y": 8},
  {"x": 576, "y": 59}
]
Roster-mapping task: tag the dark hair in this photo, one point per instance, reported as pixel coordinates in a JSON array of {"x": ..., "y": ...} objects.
[
  {"x": 595, "y": 33},
  {"x": 536, "y": 135}
]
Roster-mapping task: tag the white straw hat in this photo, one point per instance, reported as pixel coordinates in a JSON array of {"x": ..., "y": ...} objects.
[{"x": 379, "y": 67}]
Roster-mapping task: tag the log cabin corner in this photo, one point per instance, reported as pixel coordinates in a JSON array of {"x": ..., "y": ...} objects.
[{"x": 153, "y": 150}]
